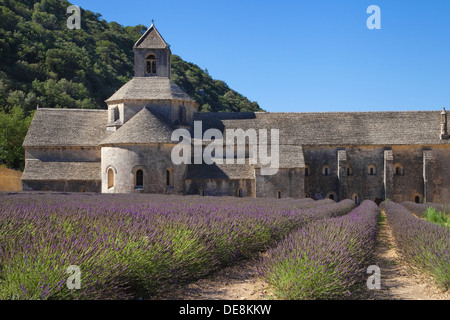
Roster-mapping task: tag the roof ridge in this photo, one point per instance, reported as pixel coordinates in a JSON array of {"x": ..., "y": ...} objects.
[{"x": 73, "y": 109}]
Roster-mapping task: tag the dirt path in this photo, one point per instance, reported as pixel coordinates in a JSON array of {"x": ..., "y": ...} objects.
[
  {"x": 238, "y": 282},
  {"x": 241, "y": 282},
  {"x": 400, "y": 281}
]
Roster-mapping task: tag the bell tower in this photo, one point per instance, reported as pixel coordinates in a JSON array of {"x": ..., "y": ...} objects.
[{"x": 152, "y": 55}]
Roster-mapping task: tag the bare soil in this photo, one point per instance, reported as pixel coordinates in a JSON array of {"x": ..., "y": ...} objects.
[
  {"x": 399, "y": 280},
  {"x": 238, "y": 282}
]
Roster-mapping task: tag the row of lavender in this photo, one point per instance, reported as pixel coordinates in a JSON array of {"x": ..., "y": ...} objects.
[
  {"x": 420, "y": 209},
  {"x": 326, "y": 258},
  {"x": 130, "y": 246},
  {"x": 425, "y": 244}
]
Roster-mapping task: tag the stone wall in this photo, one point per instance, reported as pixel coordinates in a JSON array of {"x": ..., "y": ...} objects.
[
  {"x": 61, "y": 186},
  {"x": 290, "y": 182},
  {"x": 153, "y": 160},
  {"x": 220, "y": 187},
  {"x": 162, "y": 62}
]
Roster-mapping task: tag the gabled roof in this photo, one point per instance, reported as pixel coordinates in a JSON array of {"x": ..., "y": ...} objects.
[
  {"x": 145, "y": 127},
  {"x": 41, "y": 170},
  {"x": 151, "y": 39},
  {"x": 337, "y": 128},
  {"x": 149, "y": 88},
  {"x": 67, "y": 127}
]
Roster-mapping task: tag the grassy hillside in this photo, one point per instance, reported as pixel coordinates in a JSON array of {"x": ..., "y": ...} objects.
[{"x": 45, "y": 63}]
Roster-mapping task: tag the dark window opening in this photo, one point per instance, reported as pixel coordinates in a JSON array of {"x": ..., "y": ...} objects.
[
  {"x": 240, "y": 193},
  {"x": 417, "y": 199},
  {"x": 169, "y": 178},
  {"x": 306, "y": 171},
  {"x": 202, "y": 192},
  {"x": 139, "y": 179},
  {"x": 278, "y": 194},
  {"x": 151, "y": 64},
  {"x": 331, "y": 197}
]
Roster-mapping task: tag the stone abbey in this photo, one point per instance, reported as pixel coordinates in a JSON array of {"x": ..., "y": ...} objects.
[{"x": 402, "y": 156}]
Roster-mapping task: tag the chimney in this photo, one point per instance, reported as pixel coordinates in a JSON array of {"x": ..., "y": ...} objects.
[{"x": 444, "y": 132}]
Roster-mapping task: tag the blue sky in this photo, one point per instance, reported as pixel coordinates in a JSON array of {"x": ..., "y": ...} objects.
[{"x": 304, "y": 55}]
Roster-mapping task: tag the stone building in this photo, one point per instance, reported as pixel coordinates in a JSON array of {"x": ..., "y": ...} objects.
[{"x": 127, "y": 148}]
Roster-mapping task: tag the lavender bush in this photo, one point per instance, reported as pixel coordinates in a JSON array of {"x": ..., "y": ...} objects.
[
  {"x": 420, "y": 209},
  {"x": 325, "y": 258},
  {"x": 423, "y": 243},
  {"x": 130, "y": 246}
]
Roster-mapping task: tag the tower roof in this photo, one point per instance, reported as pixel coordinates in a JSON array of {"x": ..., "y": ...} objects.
[
  {"x": 151, "y": 39},
  {"x": 145, "y": 127},
  {"x": 150, "y": 88}
]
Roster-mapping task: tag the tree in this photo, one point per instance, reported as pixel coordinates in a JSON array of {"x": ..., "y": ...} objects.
[{"x": 13, "y": 128}]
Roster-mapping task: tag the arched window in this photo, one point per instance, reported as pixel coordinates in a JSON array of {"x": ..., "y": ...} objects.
[
  {"x": 139, "y": 179},
  {"x": 169, "y": 177},
  {"x": 151, "y": 64},
  {"x": 372, "y": 170},
  {"x": 398, "y": 169},
  {"x": 331, "y": 195},
  {"x": 417, "y": 199},
  {"x": 202, "y": 192},
  {"x": 110, "y": 178},
  {"x": 349, "y": 171},
  {"x": 239, "y": 193},
  {"x": 279, "y": 194},
  {"x": 356, "y": 199},
  {"x": 326, "y": 171}
]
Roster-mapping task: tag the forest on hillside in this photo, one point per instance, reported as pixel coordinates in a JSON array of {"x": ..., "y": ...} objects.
[{"x": 45, "y": 64}]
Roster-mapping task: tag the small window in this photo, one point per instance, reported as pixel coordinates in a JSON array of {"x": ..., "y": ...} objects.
[
  {"x": 331, "y": 195},
  {"x": 239, "y": 193},
  {"x": 169, "y": 177},
  {"x": 417, "y": 199},
  {"x": 202, "y": 192},
  {"x": 349, "y": 171},
  {"x": 398, "y": 169},
  {"x": 307, "y": 171},
  {"x": 110, "y": 178},
  {"x": 372, "y": 170},
  {"x": 356, "y": 199},
  {"x": 139, "y": 179},
  {"x": 326, "y": 171},
  {"x": 279, "y": 194},
  {"x": 151, "y": 64}
]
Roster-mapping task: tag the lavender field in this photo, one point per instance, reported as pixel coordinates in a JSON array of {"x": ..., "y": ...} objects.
[
  {"x": 134, "y": 246},
  {"x": 142, "y": 246}
]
